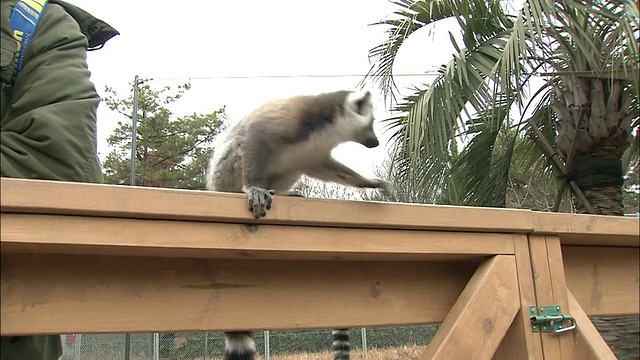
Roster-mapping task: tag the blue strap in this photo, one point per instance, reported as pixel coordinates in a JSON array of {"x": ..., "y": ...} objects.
[{"x": 24, "y": 20}]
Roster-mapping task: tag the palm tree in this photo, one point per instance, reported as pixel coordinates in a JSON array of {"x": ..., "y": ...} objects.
[
  {"x": 557, "y": 72},
  {"x": 555, "y": 81}
]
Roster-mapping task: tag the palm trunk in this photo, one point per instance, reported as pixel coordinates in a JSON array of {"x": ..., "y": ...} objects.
[
  {"x": 622, "y": 334},
  {"x": 600, "y": 177},
  {"x": 594, "y": 130}
]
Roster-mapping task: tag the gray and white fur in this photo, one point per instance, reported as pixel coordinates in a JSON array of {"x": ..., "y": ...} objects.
[{"x": 268, "y": 151}]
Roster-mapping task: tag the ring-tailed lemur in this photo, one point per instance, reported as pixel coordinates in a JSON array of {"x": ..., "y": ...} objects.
[{"x": 268, "y": 151}]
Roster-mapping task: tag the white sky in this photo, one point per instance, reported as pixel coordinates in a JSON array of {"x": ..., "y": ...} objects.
[{"x": 203, "y": 39}]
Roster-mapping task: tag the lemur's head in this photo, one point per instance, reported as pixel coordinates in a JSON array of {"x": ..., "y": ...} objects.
[
  {"x": 358, "y": 118},
  {"x": 338, "y": 117}
]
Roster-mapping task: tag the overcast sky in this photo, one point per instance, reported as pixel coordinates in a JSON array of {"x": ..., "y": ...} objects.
[{"x": 201, "y": 41}]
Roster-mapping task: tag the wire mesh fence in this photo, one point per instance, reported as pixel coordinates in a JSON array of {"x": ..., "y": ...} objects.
[{"x": 210, "y": 345}]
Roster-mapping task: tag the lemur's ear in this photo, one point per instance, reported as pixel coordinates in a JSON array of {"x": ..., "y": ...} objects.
[{"x": 361, "y": 101}]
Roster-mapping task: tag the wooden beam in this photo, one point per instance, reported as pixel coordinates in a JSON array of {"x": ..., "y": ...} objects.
[
  {"x": 520, "y": 342},
  {"x": 63, "y": 198},
  {"x": 589, "y": 230},
  {"x": 112, "y": 236},
  {"x": 487, "y": 305},
  {"x": 55, "y": 197},
  {"x": 590, "y": 337},
  {"x": 605, "y": 280},
  {"x": 62, "y": 294}
]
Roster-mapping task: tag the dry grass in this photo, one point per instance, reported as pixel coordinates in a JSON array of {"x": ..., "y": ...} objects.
[
  {"x": 404, "y": 353},
  {"x": 399, "y": 353}
]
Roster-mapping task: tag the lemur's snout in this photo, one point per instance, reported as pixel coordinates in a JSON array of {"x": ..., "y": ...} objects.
[{"x": 371, "y": 142}]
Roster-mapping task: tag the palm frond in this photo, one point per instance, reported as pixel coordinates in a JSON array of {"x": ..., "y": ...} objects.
[
  {"x": 479, "y": 20},
  {"x": 481, "y": 169}
]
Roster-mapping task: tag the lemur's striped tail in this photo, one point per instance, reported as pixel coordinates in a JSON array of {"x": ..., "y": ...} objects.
[
  {"x": 239, "y": 346},
  {"x": 341, "y": 346}
]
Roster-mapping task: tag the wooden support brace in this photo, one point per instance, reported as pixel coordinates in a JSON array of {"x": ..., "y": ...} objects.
[
  {"x": 487, "y": 305},
  {"x": 590, "y": 335}
]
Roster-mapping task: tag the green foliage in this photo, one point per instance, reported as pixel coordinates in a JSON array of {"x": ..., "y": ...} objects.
[
  {"x": 457, "y": 139},
  {"x": 170, "y": 152},
  {"x": 530, "y": 184}
]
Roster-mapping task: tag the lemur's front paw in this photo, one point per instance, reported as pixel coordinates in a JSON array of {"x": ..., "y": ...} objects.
[{"x": 259, "y": 201}]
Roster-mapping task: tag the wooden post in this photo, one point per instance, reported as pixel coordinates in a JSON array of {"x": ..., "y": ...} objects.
[
  {"x": 551, "y": 289},
  {"x": 520, "y": 342}
]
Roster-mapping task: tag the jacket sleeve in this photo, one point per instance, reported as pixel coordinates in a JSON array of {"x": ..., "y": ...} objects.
[{"x": 49, "y": 128}]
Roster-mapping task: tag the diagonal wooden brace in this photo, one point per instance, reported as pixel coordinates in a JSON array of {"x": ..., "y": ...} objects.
[{"x": 488, "y": 305}]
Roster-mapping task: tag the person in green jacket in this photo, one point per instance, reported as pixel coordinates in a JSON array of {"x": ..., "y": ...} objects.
[{"x": 48, "y": 116}]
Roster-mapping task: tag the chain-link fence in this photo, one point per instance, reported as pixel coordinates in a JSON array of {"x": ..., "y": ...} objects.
[{"x": 210, "y": 345}]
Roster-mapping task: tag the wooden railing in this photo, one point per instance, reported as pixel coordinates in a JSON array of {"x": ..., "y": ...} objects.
[{"x": 86, "y": 258}]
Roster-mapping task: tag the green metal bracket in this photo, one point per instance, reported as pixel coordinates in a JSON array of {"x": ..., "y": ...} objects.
[{"x": 550, "y": 318}]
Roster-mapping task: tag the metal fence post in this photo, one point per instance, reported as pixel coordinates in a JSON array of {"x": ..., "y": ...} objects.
[
  {"x": 156, "y": 346},
  {"x": 77, "y": 347},
  {"x": 267, "y": 349},
  {"x": 127, "y": 347},
  {"x": 206, "y": 345},
  {"x": 364, "y": 340},
  {"x": 134, "y": 131}
]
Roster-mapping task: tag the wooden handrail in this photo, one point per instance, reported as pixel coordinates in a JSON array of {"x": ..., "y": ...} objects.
[{"x": 63, "y": 198}]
